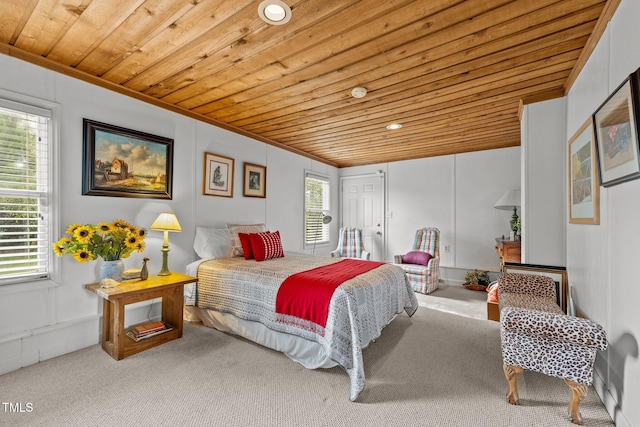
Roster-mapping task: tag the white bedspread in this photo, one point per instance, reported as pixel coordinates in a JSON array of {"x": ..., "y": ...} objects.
[{"x": 360, "y": 308}]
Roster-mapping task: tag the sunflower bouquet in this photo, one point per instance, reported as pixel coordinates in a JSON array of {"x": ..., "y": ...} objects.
[{"x": 109, "y": 241}]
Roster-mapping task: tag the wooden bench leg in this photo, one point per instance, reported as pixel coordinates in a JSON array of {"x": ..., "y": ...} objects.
[
  {"x": 578, "y": 392},
  {"x": 511, "y": 374}
]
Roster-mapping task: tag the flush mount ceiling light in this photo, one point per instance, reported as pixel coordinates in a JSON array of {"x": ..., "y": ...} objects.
[
  {"x": 393, "y": 126},
  {"x": 358, "y": 92},
  {"x": 274, "y": 12}
]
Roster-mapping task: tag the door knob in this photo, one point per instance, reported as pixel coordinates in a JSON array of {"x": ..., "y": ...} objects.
[{"x": 378, "y": 233}]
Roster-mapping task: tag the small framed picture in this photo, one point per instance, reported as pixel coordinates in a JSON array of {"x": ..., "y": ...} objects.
[
  {"x": 217, "y": 179},
  {"x": 255, "y": 180},
  {"x": 616, "y": 134},
  {"x": 584, "y": 189}
]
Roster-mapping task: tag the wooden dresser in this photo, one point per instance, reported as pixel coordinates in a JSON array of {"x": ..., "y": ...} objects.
[{"x": 508, "y": 250}]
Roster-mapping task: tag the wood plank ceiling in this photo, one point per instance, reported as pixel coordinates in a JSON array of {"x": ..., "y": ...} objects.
[{"x": 454, "y": 73}]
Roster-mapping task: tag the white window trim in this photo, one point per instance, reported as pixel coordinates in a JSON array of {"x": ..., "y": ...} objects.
[{"x": 43, "y": 107}]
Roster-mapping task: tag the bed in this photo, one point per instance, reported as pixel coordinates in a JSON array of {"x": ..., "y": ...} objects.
[{"x": 240, "y": 296}]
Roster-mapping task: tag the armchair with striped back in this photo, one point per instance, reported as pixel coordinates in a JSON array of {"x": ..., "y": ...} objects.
[
  {"x": 350, "y": 244},
  {"x": 423, "y": 271}
]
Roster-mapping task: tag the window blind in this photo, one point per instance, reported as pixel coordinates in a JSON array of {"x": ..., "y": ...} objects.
[
  {"x": 316, "y": 206},
  {"x": 24, "y": 192}
]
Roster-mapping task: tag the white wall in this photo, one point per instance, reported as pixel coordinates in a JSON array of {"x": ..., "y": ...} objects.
[
  {"x": 39, "y": 321},
  {"x": 544, "y": 191},
  {"x": 455, "y": 193},
  {"x": 602, "y": 259}
]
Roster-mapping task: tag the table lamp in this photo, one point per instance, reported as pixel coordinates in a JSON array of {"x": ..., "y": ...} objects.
[
  {"x": 510, "y": 200},
  {"x": 166, "y": 222}
]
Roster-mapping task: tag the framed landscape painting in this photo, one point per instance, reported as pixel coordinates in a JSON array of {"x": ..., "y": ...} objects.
[
  {"x": 584, "y": 189},
  {"x": 125, "y": 163},
  {"x": 217, "y": 179},
  {"x": 616, "y": 134}
]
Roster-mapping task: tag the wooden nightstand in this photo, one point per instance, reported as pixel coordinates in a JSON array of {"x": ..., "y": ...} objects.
[
  {"x": 508, "y": 250},
  {"x": 114, "y": 335}
]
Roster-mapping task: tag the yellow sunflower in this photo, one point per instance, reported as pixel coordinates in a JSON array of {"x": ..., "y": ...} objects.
[
  {"x": 121, "y": 223},
  {"x": 131, "y": 241},
  {"x": 57, "y": 249},
  {"x": 72, "y": 228},
  {"x": 105, "y": 228},
  {"x": 83, "y": 234},
  {"x": 82, "y": 255}
]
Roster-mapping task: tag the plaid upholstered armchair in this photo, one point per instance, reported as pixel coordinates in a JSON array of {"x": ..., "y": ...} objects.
[
  {"x": 422, "y": 263},
  {"x": 350, "y": 244}
]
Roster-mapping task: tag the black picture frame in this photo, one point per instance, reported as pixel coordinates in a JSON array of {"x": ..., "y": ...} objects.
[
  {"x": 615, "y": 125},
  {"x": 121, "y": 162}
]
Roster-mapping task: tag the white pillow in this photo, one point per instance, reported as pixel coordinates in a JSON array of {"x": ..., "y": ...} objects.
[
  {"x": 211, "y": 243},
  {"x": 234, "y": 229}
]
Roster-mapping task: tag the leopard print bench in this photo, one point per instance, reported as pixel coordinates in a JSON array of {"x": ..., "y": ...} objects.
[{"x": 536, "y": 335}]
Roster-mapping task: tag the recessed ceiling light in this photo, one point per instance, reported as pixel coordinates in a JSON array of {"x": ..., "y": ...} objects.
[
  {"x": 358, "y": 92},
  {"x": 274, "y": 12},
  {"x": 394, "y": 126}
]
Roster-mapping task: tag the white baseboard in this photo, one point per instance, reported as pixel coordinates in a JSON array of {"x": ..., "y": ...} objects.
[
  {"x": 46, "y": 342},
  {"x": 610, "y": 403},
  {"x": 19, "y": 350}
]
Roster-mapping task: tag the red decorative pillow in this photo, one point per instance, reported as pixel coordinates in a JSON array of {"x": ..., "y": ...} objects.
[
  {"x": 245, "y": 242},
  {"x": 417, "y": 257},
  {"x": 266, "y": 245}
]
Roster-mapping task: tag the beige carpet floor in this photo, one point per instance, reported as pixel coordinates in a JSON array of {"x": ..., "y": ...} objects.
[{"x": 436, "y": 368}]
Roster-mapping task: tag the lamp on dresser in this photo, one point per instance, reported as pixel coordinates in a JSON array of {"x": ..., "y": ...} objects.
[
  {"x": 510, "y": 200},
  {"x": 166, "y": 222}
]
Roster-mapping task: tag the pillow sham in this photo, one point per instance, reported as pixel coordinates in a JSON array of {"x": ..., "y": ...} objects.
[
  {"x": 417, "y": 257},
  {"x": 234, "y": 229},
  {"x": 211, "y": 243},
  {"x": 266, "y": 245}
]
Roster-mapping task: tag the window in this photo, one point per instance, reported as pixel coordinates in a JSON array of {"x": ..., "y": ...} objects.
[
  {"x": 316, "y": 208},
  {"x": 25, "y": 188}
]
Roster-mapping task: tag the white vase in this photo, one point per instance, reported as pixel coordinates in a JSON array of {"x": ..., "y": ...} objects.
[{"x": 112, "y": 270}]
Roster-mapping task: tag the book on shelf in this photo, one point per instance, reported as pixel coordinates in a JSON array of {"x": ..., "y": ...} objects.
[
  {"x": 131, "y": 273},
  {"x": 148, "y": 330}
]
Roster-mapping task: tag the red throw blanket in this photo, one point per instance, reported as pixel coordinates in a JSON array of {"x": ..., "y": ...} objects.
[{"x": 306, "y": 295}]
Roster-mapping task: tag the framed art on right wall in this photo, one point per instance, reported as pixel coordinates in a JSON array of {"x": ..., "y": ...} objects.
[
  {"x": 616, "y": 134},
  {"x": 584, "y": 189}
]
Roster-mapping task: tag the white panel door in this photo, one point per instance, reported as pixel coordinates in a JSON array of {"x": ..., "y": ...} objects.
[{"x": 363, "y": 207}]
